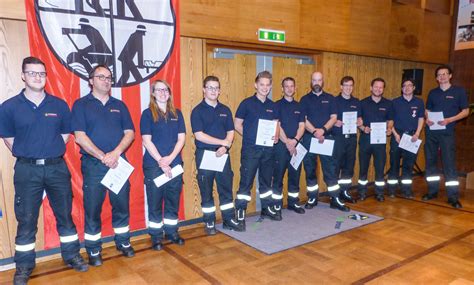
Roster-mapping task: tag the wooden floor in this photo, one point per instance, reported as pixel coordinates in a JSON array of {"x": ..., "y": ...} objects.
[{"x": 417, "y": 242}]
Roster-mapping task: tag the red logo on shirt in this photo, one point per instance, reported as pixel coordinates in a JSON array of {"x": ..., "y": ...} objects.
[
  {"x": 353, "y": 107},
  {"x": 382, "y": 109},
  {"x": 269, "y": 111},
  {"x": 114, "y": 111},
  {"x": 50, "y": 114},
  {"x": 297, "y": 112},
  {"x": 449, "y": 97},
  {"x": 324, "y": 102},
  {"x": 223, "y": 115}
]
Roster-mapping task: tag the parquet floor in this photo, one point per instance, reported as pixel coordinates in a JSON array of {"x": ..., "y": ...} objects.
[{"x": 416, "y": 243}]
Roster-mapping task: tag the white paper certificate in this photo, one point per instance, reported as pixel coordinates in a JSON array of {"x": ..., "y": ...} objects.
[
  {"x": 116, "y": 177},
  {"x": 211, "y": 162},
  {"x": 378, "y": 133},
  {"x": 324, "y": 148},
  {"x": 266, "y": 132},
  {"x": 436, "y": 117},
  {"x": 407, "y": 144},
  {"x": 162, "y": 179},
  {"x": 349, "y": 123},
  {"x": 296, "y": 159}
]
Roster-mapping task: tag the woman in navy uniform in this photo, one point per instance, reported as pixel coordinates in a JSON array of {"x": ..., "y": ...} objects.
[{"x": 163, "y": 133}]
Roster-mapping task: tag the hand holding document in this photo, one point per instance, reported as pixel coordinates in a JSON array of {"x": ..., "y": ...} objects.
[
  {"x": 162, "y": 179},
  {"x": 116, "y": 177},
  {"x": 436, "y": 117},
  {"x": 266, "y": 132},
  {"x": 211, "y": 162},
  {"x": 378, "y": 133},
  {"x": 298, "y": 157},
  {"x": 349, "y": 123},
  {"x": 407, "y": 144},
  {"x": 324, "y": 148}
]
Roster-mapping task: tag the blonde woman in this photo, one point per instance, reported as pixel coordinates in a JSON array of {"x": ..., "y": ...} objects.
[{"x": 163, "y": 133}]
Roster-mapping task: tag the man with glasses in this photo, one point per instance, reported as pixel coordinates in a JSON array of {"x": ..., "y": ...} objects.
[
  {"x": 104, "y": 130},
  {"x": 452, "y": 102},
  {"x": 35, "y": 126},
  {"x": 408, "y": 119},
  {"x": 213, "y": 130},
  {"x": 345, "y": 144}
]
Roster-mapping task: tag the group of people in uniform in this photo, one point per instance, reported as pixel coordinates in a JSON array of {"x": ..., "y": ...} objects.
[{"x": 36, "y": 127}]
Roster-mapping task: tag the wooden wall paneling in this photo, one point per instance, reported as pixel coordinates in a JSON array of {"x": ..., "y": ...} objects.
[
  {"x": 13, "y": 49},
  {"x": 439, "y": 6},
  {"x": 435, "y": 39},
  {"x": 406, "y": 24},
  {"x": 237, "y": 78},
  {"x": 191, "y": 78}
]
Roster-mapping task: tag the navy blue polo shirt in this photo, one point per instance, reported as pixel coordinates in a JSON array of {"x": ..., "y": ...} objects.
[
  {"x": 450, "y": 102},
  {"x": 345, "y": 105},
  {"x": 406, "y": 113},
  {"x": 250, "y": 110},
  {"x": 37, "y": 129},
  {"x": 372, "y": 112},
  {"x": 318, "y": 109},
  {"x": 213, "y": 121},
  {"x": 103, "y": 124},
  {"x": 290, "y": 114},
  {"x": 164, "y": 135}
]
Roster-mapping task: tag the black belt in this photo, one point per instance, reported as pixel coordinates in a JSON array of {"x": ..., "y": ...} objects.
[{"x": 40, "y": 161}]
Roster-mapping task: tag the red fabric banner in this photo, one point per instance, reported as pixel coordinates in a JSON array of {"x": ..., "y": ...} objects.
[{"x": 139, "y": 40}]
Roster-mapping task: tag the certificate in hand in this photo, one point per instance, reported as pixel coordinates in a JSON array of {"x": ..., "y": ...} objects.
[
  {"x": 436, "y": 117},
  {"x": 266, "y": 132},
  {"x": 211, "y": 162},
  {"x": 116, "y": 177},
  {"x": 349, "y": 123},
  {"x": 298, "y": 157},
  {"x": 162, "y": 179},
  {"x": 407, "y": 144},
  {"x": 378, "y": 133},
  {"x": 324, "y": 148}
]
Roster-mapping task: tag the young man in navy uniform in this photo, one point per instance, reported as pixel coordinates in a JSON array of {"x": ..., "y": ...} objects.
[
  {"x": 374, "y": 109},
  {"x": 408, "y": 118},
  {"x": 213, "y": 130},
  {"x": 35, "y": 127},
  {"x": 345, "y": 145},
  {"x": 291, "y": 131},
  {"x": 256, "y": 157},
  {"x": 104, "y": 130},
  {"x": 452, "y": 101},
  {"x": 321, "y": 114}
]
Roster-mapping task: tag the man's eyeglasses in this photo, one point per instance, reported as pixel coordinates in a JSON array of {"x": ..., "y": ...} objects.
[
  {"x": 104, "y": 78},
  {"x": 211, "y": 89},
  {"x": 33, "y": 74},
  {"x": 162, "y": 90}
]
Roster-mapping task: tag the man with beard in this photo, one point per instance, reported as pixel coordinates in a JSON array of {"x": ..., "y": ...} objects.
[
  {"x": 256, "y": 157},
  {"x": 291, "y": 131},
  {"x": 452, "y": 101},
  {"x": 321, "y": 114},
  {"x": 345, "y": 144},
  {"x": 374, "y": 109}
]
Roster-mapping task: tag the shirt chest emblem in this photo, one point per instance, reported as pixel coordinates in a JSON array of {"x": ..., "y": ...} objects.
[
  {"x": 382, "y": 109},
  {"x": 269, "y": 111},
  {"x": 114, "y": 111},
  {"x": 353, "y": 107},
  {"x": 324, "y": 102},
  {"x": 174, "y": 119},
  {"x": 54, "y": 115},
  {"x": 449, "y": 97},
  {"x": 222, "y": 115}
]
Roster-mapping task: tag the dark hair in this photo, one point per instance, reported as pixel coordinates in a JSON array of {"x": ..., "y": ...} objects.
[
  {"x": 287, "y": 79},
  {"x": 380, "y": 79},
  {"x": 444, "y": 66},
  {"x": 263, "y": 74},
  {"x": 408, "y": 79},
  {"x": 347, "y": 78},
  {"x": 210, "y": 78},
  {"x": 92, "y": 73},
  {"x": 31, "y": 60}
]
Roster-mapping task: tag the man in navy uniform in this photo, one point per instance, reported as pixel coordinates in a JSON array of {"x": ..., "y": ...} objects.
[
  {"x": 345, "y": 145},
  {"x": 408, "y": 119},
  {"x": 35, "y": 126},
  {"x": 374, "y": 109},
  {"x": 291, "y": 131},
  {"x": 452, "y": 101},
  {"x": 256, "y": 157},
  {"x": 104, "y": 130},
  {"x": 213, "y": 130},
  {"x": 321, "y": 114}
]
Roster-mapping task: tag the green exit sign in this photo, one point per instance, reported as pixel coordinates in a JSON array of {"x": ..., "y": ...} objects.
[{"x": 273, "y": 36}]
